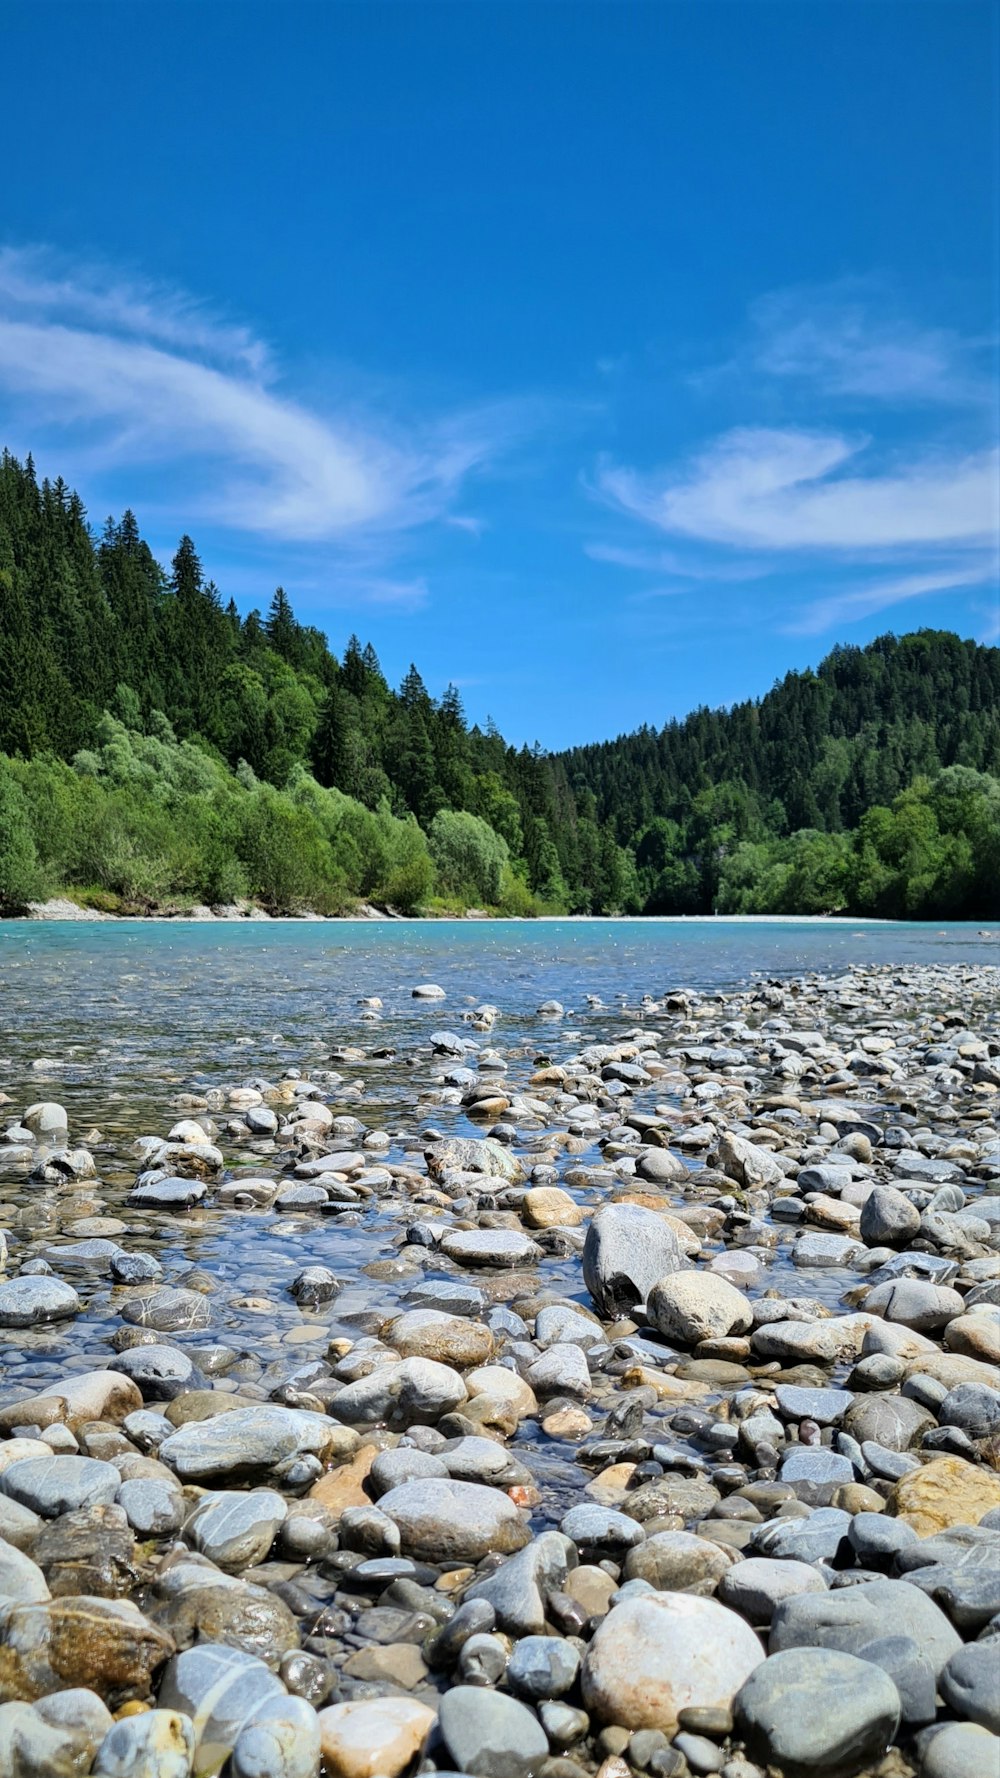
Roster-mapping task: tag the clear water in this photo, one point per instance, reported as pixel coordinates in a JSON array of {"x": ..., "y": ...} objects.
[{"x": 115, "y": 1020}]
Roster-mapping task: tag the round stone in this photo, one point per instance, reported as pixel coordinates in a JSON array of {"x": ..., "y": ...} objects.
[
  {"x": 155, "y": 1744},
  {"x": 219, "y": 1688},
  {"x": 660, "y": 1653},
  {"x": 447, "y": 1520},
  {"x": 281, "y": 1740},
  {"x": 491, "y": 1735},
  {"x": 373, "y": 1736},
  {"x": 689, "y": 1306},
  {"x": 816, "y": 1710}
]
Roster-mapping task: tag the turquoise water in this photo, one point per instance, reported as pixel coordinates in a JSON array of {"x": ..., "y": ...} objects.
[{"x": 158, "y": 1004}]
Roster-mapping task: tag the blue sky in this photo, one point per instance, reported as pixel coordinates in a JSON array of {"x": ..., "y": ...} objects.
[{"x": 604, "y": 359}]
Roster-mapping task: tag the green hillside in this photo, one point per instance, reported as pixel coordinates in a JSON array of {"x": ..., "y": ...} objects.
[{"x": 158, "y": 749}]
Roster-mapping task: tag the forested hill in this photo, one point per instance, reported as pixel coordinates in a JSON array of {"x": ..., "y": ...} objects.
[
  {"x": 156, "y": 748},
  {"x": 826, "y": 745}
]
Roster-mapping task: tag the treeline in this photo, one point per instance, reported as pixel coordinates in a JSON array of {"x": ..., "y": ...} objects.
[{"x": 157, "y": 748}]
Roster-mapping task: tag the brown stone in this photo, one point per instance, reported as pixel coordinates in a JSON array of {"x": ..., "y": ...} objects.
[
  {"x": 94, "y": 1395},
  {"x": 591, "y": 1587},
  {"x": 344, "y": 1487},
  {"x": 449, "y": 1339},
  {"x": 104, "y": 1644},
  {"x": 205, "y": 1404},
  {"x": 947, "y": 1491},
  {"x": 91, "y": 1551},
  {"x": 549, "y": 1207},
  {"x": 394, "y": 1663}
]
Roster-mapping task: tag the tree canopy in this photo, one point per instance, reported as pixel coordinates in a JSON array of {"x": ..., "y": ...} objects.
[{"x": 157, "y": 745}]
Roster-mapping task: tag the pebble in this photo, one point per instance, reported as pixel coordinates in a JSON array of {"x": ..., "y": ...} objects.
[
  {"x": 156, "y": 1744},
  {"x": 506, "y": 1451}
]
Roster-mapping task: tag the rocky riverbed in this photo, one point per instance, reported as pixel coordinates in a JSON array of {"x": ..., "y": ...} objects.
[{"x": 617, "y": 1396}]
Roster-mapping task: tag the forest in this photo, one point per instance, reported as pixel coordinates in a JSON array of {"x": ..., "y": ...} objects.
[{"x": 159, "y": 750}]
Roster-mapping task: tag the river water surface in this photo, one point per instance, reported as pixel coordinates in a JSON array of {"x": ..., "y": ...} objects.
[{"x": 118, "y": 1021}]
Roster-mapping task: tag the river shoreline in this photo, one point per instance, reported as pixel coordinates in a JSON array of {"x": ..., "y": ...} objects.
[
  {"x": 447, "y": 1378},
  {"x": 62, "y": 909}
]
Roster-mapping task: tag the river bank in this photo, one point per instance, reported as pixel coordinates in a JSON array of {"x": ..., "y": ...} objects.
[
  {"x": 448, "y": 1389},
  {"x": 62, "y": 908}
]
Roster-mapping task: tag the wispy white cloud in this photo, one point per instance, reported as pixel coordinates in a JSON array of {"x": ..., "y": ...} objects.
[
  {"x": 774, "y": 489},
  {"x": 143, "y": 375},
  {"x": 850, "y": 339},
  {"x": 665, "y": 561},
  {"x": 849, "y": 606},
  {"x": 882, "y": 494},
  {"x": 38, "y": 283}
]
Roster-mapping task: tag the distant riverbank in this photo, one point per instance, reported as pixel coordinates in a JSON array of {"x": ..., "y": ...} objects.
[{"x": 62, "y": 908}]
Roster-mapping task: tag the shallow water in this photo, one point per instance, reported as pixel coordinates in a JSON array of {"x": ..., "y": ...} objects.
[{"x": 114, "y": 1021}]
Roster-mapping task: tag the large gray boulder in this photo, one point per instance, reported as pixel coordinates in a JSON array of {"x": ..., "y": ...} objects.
[{"x": 628, "y": 1249}]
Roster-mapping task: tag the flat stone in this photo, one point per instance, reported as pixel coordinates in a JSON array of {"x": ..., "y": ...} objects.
[
  {"x": 31, "y": 1301},
  {"x": 756, "y": 1586},
  {"x": 446, "y": 1339},
  {"x": 159, "y": 1372},
  {"x": 815, "y": 1473},
  {"x": 826, "y": 1406},
  {"x": 820, "y": 1249},
  {"x": 252, "y": 1442},
  {"x": 849, "y": 1617},
  {"x": 594, "y": 1527},
  {"x": 490, "y": 1247},
  {"x": 167, "y": 1192},
  {"x": 54, "y": 1485},
  {"x": 168, "y": 1310}
]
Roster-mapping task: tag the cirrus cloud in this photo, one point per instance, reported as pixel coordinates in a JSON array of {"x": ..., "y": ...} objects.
[
  {"x": 139, "y": 374},
  {"x": 774, "y": 489}
]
